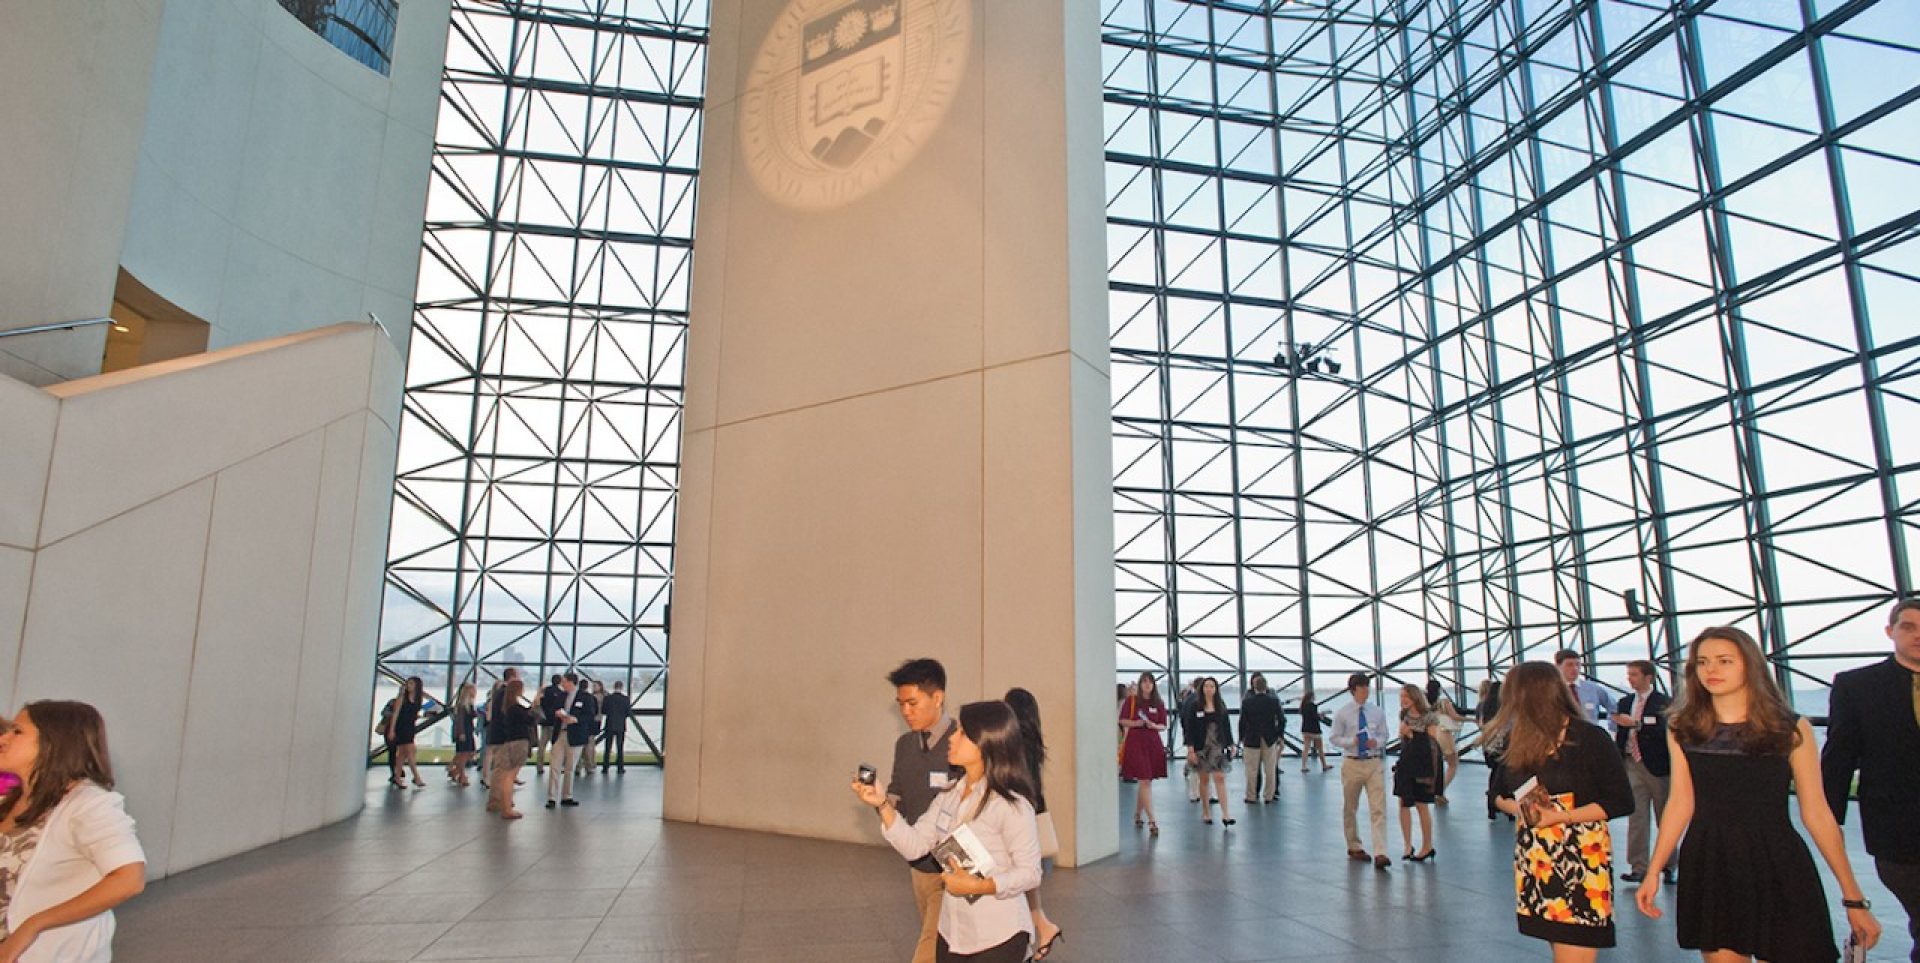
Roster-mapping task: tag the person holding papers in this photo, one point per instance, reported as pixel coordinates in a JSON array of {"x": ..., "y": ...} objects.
[
  {"x": 1561, "y": 780},
  {"x": 984, "y": 821}
]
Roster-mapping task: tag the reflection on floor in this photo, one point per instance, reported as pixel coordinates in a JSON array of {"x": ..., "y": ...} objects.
[{"x": 427, "y": 875}]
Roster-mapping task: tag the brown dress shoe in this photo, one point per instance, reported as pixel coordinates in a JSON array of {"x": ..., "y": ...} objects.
[
  {"x": 1358, "y": 855},
  {"x": 1381, "y": 862}
]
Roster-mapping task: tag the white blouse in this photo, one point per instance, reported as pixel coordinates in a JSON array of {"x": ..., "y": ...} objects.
[
  {"x": 1009, "y": 833},
  {"x": 85, "y": 837}
]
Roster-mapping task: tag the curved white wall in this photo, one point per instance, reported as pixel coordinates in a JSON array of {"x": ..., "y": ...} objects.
[
  {"x": 281, "y": 184},
  {"x": 73, "y": 93},
  {"x": 197, "y": 546}
]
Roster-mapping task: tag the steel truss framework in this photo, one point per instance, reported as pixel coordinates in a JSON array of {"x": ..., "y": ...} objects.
[
  {"x": 539, "y": 444},
  {"x": 1622, "y": 298}
]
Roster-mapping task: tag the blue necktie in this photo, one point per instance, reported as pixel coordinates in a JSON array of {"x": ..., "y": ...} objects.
[{"x": 1361, "y": 753}]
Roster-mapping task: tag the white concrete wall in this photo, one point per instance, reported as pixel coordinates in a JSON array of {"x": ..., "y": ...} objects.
[
  {"x": 280, "y": 184},
  {"x": 73, "y": 96},
  {"x": 897, "y": 437},
  {"x": 195, "y": 547},
  {"x": 229, "y": 158}
]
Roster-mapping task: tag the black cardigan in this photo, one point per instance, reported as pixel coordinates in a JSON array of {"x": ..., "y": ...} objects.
[
  {"x": 1194, "y": 723},
  {"x": 1587, "y": 765}
]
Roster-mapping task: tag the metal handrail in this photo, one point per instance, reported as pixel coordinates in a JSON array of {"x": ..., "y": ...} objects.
[{"x": 56, "y": 326}]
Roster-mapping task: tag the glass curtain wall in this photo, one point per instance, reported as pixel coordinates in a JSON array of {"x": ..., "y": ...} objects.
[
  {"x": 539, "y": 441},
  {"x": 1448, "y": 333}
]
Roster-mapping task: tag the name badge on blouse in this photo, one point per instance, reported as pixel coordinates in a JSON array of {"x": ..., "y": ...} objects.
[
  {"x": 943, "y": 820},
  {"x": 937, "y": 780}
]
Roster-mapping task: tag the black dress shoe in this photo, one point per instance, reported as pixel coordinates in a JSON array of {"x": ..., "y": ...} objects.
[
  {"x": 1633, "y": 876},
  {"x": 551, "y": 804},
  {"x": 569, "y": 802}
]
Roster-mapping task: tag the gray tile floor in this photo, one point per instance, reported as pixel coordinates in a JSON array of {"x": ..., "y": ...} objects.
[{"x": 427, "y": 875}]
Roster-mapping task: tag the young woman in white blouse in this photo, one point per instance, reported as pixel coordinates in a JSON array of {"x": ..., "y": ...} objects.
[
  {"x": 68, "y": 855},
  {"x": 994, "y": 800}
]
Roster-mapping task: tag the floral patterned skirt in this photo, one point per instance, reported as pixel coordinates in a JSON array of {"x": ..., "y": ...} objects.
[{"x": 1563, "y": 883}]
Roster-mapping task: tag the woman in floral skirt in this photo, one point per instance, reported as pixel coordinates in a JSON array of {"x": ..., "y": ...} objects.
[{"x": 1562, "y": 780}]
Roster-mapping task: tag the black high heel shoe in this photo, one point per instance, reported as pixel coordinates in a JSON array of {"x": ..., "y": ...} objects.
[
  {"x": 1040, "y": 952},
  {"x": 1423, "y": 857}
]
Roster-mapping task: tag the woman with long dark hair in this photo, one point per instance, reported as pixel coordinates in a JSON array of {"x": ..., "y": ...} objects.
[
  {"x": 1210, "y": 746},
  {"x": 1748, "y": 886},
  {"x": 1484, "y": 712},
  {"x": 1312, "y": 744},
  {"x": 462, "y": 718},
  {"x": 994, "y": 801},
  {"x": 1416, "y": 777},
  {"x": 1562, "y": 780},
  {"x": 1026, "y": 709},
  {"x": 401, "y": 731},
  {"x": 68, "y": 854},
  {"x": 1143, "y": 757}
]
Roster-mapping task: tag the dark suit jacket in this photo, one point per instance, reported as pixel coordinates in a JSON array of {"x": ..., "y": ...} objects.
[
  {"x": 616, "y": 706},
  {"x": 1260, "y": 720},
  {"x": 1653, "y": 735},
  {"x": 580, "y": 706},
  {"x": 1870, "y": 727}
]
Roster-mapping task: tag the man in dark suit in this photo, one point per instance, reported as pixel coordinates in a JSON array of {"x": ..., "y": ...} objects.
[
  {"x": 575, "y": 716},
  {"x": 1261, "y": 727},
  {"x": 1873, "y": 726},
  {"x": 1640, "y": 730},
  {"x": 552, "y": 700},
  {"x": 615, "y": 708}
]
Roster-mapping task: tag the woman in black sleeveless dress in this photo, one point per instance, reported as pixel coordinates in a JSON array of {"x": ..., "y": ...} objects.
[{"x": 1748, "y": 886}]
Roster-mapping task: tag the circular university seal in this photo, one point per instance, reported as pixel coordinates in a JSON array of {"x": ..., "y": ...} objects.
[{"x": 845, "y": 92}]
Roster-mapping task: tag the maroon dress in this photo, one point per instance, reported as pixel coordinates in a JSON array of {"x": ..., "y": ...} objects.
[{"x": 1143, "y": 755}]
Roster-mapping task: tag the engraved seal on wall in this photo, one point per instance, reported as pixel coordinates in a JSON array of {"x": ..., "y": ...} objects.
[{"x": 844, "y": 94}]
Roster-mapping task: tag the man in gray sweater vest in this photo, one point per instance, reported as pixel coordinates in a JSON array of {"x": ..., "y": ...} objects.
[{"x": 921, "y": 772}]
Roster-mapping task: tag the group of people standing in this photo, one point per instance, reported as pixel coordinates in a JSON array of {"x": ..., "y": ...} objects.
[
  {"x": 983, "y": 770},
  {"x": 1712, "y": 767},
  {"x": 561, "y": 727}
]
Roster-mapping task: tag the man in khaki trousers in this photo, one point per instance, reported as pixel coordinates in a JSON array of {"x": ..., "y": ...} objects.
[
  {"x": 920, "y": 773},
  {"x": 1360, "y": 730}
]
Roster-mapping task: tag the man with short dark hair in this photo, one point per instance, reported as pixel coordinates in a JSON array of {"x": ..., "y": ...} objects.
[
  {"x": 615, "y": 738},
  {"x": 921, "y": 772},
  {"x": 1587, "y": 694},
  {"x": 1873, "y": 726},
  {"x": 1640, "y": 719},
  {"x": 1360, "y": 730},
  {"x": 576, "y": 716},
  {"x": 551, "y": 699},
  {"x": 1262, "y": 728}
]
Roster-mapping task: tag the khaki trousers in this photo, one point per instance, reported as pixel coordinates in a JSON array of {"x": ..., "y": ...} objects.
[
  {"x": 1261, "y": 763},
  {"x": 927, "y": 890},
  {"x": 1649, "y": 800},
  {"x": 1370, "y": 775}
]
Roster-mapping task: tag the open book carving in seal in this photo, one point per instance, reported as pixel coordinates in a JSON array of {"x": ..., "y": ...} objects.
[{"x": 844, "y": 93}]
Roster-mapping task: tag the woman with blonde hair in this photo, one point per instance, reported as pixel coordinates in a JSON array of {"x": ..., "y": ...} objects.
[
  {"x": 1416, "y": 778},
  {"x": 1748, "y": 887},
  {"x": 462, "y": 718},
  {"x": 68, "y": 855},
  {"x": 1562, "y": 780}
]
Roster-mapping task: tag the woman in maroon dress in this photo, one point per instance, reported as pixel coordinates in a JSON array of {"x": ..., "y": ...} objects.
[{"x": 1143, "y": 757}]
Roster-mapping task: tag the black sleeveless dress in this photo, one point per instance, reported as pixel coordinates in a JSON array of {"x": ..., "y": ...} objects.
[{"x": 1747, "y": 881}]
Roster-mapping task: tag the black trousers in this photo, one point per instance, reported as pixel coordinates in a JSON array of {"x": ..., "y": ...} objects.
[
  {"x": 1012, "y": 951},
  {"x": 615, "y": 747},
  {"x": 1904, "y": 880}
]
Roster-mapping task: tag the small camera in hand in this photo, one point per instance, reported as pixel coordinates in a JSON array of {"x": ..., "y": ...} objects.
[{"x": 866, "y": 774}]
